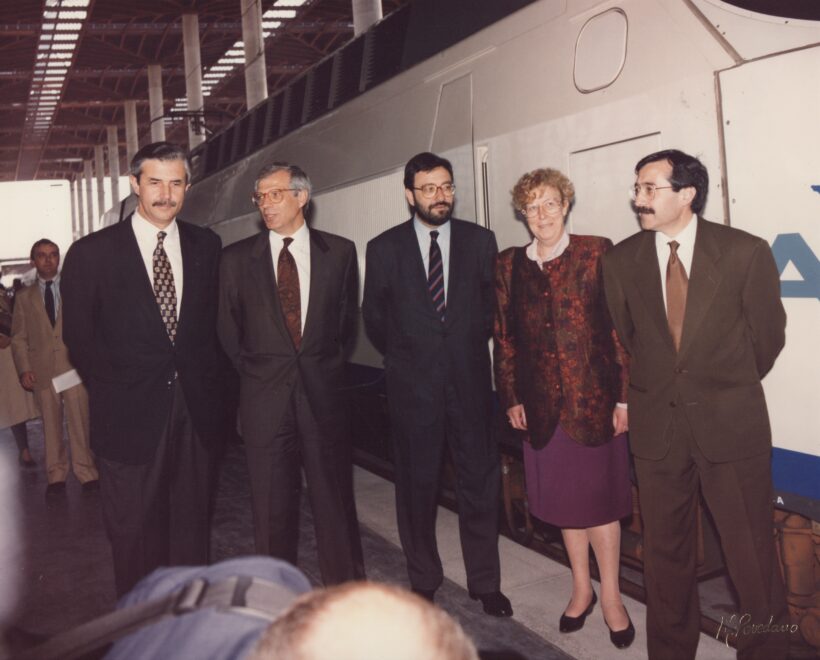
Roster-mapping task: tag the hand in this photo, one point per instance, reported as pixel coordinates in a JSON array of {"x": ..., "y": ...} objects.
[
  {"x": 27, "y": 380},
  {"x": 620, "y": 420},
  {"x": 518, "y": 420}
]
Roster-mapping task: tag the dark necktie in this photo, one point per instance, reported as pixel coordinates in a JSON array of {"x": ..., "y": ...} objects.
[
  {"x": 49, "y": 300},
  {"x": 164, "y": 290},
  {"x": 287, "y": 281},
  {"x": 676, "y": 285},
  {"x": 435, "y": 275}
]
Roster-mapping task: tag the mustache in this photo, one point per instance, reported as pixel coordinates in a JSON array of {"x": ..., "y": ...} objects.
[
  {"x": 170, "y": 203},
  {"x": 645, "y": 210}
]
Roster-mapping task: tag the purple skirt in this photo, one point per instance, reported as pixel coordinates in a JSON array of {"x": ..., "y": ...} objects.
[{"x": 570, "y": 485}]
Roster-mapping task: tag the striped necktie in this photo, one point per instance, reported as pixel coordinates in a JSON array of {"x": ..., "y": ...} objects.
[{"x": 435, "y": 275}]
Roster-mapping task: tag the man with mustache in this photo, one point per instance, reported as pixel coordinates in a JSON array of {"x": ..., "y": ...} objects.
[
  {"x": 697, "y": 306},
  {"x": 428, "y": 307},
  {"x": 140, "y": 324}
]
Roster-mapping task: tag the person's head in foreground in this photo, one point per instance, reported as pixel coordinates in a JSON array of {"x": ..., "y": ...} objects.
[{"x": 364, "y": 621}]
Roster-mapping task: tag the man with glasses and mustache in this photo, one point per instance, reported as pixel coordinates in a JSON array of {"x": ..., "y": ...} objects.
[
  {"x": 697, "y": 306},
  {"x": 140, "y": 325},
  {"x": 428, "y": 307},
  {"x": 288, "y": 299}
]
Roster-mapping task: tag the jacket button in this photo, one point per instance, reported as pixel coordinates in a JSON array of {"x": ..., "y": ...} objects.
[{"x": 672, "y": 404}]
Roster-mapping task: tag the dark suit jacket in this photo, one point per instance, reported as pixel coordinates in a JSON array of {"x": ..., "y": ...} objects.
[
  {"x": 554, "y": 346},
  {"x": 733, "y": 330},
  {"x": 420, "y": 352},
  {"x": 117, "y": 339},
  {"x": 253, "y": 332}
]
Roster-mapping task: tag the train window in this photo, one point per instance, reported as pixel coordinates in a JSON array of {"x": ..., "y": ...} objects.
[
  {"x": 600, "y": 51},
  {"x": 808, "y": 10}
]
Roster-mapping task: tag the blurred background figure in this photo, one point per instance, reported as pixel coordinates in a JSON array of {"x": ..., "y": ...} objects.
[
  {"x": 16, "y": 404},
  {"x": 560, "y": 372}
]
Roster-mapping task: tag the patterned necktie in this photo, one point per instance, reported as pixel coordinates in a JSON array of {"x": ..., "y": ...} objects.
[
  {"x": 676, "y": 285},
  {"x": 435, "y": 275},
  {"x": 49, "y": 300},
  {"x": 287, "y": 281},
  {"x": 164, "y": 290}
]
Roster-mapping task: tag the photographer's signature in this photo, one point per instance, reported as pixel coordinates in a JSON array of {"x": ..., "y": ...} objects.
[{"x": 735, "y": 625}]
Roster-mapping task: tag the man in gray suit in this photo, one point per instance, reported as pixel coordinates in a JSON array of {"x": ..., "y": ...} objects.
[{"x": 287, "y": 302}]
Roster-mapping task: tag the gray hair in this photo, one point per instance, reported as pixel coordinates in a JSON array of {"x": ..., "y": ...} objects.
[
  {"x": 160, "y": 151},
  {"x": 298, "y": 179}
]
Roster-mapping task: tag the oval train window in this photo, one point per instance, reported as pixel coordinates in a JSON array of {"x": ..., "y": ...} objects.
[{"x": 600, "y": 51}]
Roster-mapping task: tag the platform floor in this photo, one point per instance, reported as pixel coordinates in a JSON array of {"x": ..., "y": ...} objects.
[{"x": 55, "y": 563}]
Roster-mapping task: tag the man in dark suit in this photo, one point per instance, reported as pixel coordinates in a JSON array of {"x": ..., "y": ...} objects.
[
  {"x": 428, "y": 307},
  {"x": 140, "y": 325},
  {"x": 697, "y": 305},
  {"x": 287, "y": 302}
]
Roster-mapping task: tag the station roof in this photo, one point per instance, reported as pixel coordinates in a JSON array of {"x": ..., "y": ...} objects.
[{"x": 67, "y": 66}]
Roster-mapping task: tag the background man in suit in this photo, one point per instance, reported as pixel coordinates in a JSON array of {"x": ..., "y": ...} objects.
[
  {"x": 697, "y": 305},
  {"x": 40, "y": 355},
  {"x": 428, "y": 307},
  {"x": 141, "y": 327},
  {"x": 287, "y": 306}
]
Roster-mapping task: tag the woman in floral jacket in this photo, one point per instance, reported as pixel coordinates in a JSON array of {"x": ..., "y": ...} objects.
[{"x": 562, "y": 377}]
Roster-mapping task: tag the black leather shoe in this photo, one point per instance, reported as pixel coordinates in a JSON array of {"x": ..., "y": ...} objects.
[
  {"x": 56, "y": 488},
  {"x": 622, "y": 638},
  {"x": 427, "y": 594},
  {"x": 495, "y": 603},
  {"x": 91, "y": 486},
  {"x": 569, "y": 624}
]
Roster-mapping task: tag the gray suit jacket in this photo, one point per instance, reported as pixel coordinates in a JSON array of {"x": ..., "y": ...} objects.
[{"x": 733, "y": 330}]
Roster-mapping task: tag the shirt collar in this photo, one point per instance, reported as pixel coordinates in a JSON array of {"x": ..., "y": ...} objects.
[
  {"x": 42, "y": 282},
  {"x": 144, "y": 229},
  {"x": 301, "y": 237},
  {"x": 423, "y": 230},
  {"x": 685, "y": 239},
  {"x": 556, "y": 251}
]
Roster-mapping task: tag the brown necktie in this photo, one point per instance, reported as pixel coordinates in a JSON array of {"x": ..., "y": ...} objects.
[
  {"x": 287, "y": 281},
  {"x": 164, "y": 290},
  {"x": 676, "y": 285}
]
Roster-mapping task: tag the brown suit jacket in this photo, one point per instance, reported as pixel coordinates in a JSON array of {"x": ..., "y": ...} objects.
[
  {"x": 555, "y": 350},
  {"x": 734, "y": 328},
  {"x": 35, "y": 344}
]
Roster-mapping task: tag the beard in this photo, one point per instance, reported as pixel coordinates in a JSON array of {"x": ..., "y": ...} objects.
[{"x": 427, "y": 215}]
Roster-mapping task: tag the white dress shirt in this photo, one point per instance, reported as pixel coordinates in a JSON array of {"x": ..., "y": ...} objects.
[
  {"x": 423, "y": 236},
  {"x": 300, "y": 249},
  {"x": 556, "y": 251},
  {"x": 146, "y": 235},
  {"x": 55, "y": 291},
  {"x": 686, "y": 250}
]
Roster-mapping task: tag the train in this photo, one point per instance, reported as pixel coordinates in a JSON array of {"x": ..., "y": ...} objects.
[{"x": 588, "y": 87}]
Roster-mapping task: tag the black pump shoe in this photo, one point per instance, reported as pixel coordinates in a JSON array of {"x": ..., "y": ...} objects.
[
  {"x": 569, "y": 624},
  {"x": 622, "y": 638}
]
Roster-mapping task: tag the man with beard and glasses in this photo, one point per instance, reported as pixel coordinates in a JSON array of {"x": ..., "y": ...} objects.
[
  {"x": 428, "y": 307},
  {"x": 140, "y": 324},
  {"x": 697, "y": 306}
]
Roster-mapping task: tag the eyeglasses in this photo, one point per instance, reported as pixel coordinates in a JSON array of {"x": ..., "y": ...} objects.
[
  {"x": 274, "y": 196},
  {"x": 429, "y": 190},
  {"x": 550, "y": 207},
  {"x": 647, "y": 189}
]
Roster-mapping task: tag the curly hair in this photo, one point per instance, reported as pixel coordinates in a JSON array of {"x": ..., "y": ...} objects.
[{"x": 525, "y": 189}]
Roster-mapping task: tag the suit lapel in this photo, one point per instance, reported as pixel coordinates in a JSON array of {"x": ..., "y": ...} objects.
[
  {"x": 457, "y": 257},
  {"x": 191, "y": 276},
  {"x": 320, "y": 273},
  {"x": 647, "y": 279},
  {"x": 262, "y": 268},
  {"x": 703, "y": 283}
]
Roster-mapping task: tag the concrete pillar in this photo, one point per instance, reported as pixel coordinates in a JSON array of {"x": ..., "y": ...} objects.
[
  {"x": 89, "y": 196},
  {"x": 75, "y": 233},
  {"x": 155, "y": 103},
  {"x": 78, "y": 190},
  {"x": 99, "y": 169},
  {"x": 193, "y": 78},
  {"x": 132, "y": 140},
  {"x": 256, "y": 80},
  {"x": 113, "y": 164},
  {"x": 365, "y": 13}
]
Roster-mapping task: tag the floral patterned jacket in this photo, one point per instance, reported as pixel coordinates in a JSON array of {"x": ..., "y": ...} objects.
[{"x": 555, "y": 350}]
